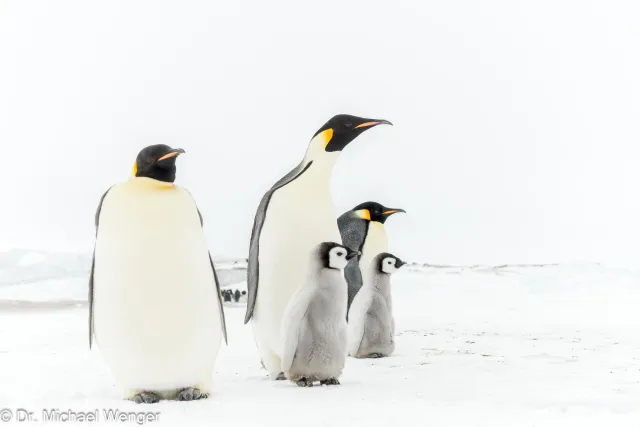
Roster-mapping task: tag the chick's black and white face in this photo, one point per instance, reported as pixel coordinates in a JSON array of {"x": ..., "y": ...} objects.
[
  {"x": 157, "y": 162},
  {"x": 334, "y": 255},
  {"x": 338, "y": 258},
  {"x": 391, "y": 264}
]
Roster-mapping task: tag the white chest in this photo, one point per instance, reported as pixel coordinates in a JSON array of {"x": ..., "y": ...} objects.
[
  {"x": 299, "y": 216},
  {"x": 152, "y": 273},
  {"x": 375, "y": 243}
]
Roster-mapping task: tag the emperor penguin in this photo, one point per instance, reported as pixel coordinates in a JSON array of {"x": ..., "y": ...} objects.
[
  {"x": 371, "y": 326},
  {"x": 155, "y": 306},
  {"x": 292, "y": 217},
  {"x": 362, "y": 229},
  {"x": 314, "y": 323}
]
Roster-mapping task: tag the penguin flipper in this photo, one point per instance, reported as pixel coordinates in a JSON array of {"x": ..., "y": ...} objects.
[
  {"x": 291, "y": 321},
  {"x": 353, "y": 231},
  {"x": 253, "y": 267},
  {"x": 222, "y": 318},
  {"x": 215, "y": 278},
  {"x": 353, "y": 276},
  {"x": 93, "y": 266}
]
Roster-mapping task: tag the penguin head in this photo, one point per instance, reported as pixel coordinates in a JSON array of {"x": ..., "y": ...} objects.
[
  {"x": 389, "y": 263},
  {"x": 336, "y": 256},
  {"x": 157, "y": 162},
  {"x": 373, "y": 211},
  {"x": 340, "y": 130}
]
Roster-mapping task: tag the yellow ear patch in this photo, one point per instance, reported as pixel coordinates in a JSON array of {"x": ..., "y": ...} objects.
[
  {"x": 327, "y": 134},
  {"x": 364, "y": 214},
  {"x": 135, "y": 168}
]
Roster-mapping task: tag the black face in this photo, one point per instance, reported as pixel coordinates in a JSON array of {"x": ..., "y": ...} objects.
[
  {"x": 383, "y": 256},
  {"x": 377, "y": 211},
  {"x": 326, "y": 247},
  {"x": 158, "y": 162},
  {"x": 346, "y": 128}
]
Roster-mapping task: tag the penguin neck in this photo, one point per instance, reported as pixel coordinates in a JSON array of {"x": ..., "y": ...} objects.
[
  {"x": 379, "y": 282},
  {"x": 323, "y": 161},
  {"x": 144, "y": 181},
  {"x": 317, "y": 272},
  {"x": 322, "y": 166}
]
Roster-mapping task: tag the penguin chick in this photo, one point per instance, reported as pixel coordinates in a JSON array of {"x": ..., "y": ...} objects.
[
  {"x": 371, "y": 327},
  {"x": 314, "y": 323},
  {"x": 362, "y": 229}
]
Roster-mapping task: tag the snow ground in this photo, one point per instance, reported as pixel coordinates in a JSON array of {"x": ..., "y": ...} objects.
[{"x": 514, "y": 346}]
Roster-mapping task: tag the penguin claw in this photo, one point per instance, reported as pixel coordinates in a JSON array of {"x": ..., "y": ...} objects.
[
  {"x": 281, "y": 376},
  {"x": 375, "y": 355},
  {"x": 304, "y": 382},
  {"x": 189, "y": 394},
  {"x": 330, "y": 381},
  {"x": 146, "y": 397}
]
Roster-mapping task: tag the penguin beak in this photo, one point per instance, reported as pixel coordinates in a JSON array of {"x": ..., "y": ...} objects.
[
  {"x": 352, "y": 254},
  {"x": 371, "y": 123},
  {"x": 170, "y": 154},
  {"x": 399, "y": 263},
  {"x": 392, "y": 211}
]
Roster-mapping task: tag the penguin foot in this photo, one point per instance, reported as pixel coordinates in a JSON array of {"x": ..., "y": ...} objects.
[
  {"x": 189, "y": 394},
  {"x": 330, "y": 381},
  {"x": 375, "y": 355},
  {"x": 304, "y": 382},
  {"x": 146, "y": 397},
  {"x": 281, "y": 376}
]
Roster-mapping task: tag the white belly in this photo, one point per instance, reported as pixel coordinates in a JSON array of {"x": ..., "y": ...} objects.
[
  {"x": 157, "y": 319},
  {"x": 375, "y": 243},
  {"x": 300, "y": 216}
]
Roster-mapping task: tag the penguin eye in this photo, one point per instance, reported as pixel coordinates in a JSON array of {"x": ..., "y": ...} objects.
[
  {"x": 348, "y": 124},
  {"x": 339, "y": 253}
]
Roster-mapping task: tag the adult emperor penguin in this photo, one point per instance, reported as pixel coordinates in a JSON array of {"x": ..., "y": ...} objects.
[
  {"x": 154, "y": 296},
  {"x": 362, "y": 229},
  {"x": 293, "y": 216}
]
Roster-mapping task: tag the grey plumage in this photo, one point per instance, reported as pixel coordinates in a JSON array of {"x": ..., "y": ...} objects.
[
  {"x": 353, "y": 231},
  {"x": 324, "y": 358},
  {"x": 314, "y": 324},
  {"x": 253, "y": 267},
  {"x": 372, "y": 326}
]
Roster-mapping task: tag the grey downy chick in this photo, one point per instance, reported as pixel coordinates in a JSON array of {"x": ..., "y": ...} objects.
[
  {"x": 314, "y": 323},
  {"x": 371, "y": 327}
]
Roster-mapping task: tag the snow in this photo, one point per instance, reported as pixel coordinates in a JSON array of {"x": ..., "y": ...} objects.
[{"x": 553, "y": 345}]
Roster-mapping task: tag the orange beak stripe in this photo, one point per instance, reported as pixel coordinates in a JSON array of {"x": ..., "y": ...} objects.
[
  {"x": 167, "y": 156},
  {"x": 389, "y": 212},
  {"x": 362, "y": 125}
]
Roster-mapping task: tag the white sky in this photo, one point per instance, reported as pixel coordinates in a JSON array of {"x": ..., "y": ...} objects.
[{"x": 516, "y": 122}]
